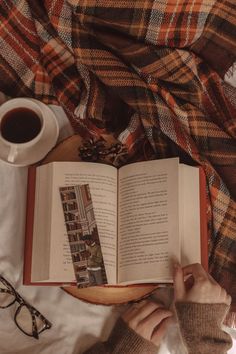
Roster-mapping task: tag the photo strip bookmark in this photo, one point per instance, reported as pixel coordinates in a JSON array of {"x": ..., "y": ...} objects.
[{"x": 82, "y": 231}]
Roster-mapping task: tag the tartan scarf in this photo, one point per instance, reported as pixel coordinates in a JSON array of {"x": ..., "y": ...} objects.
[{"x": 149, "y": 72}]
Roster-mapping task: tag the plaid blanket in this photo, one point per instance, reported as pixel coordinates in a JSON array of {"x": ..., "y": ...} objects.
[{"x": 149, "y": 72}]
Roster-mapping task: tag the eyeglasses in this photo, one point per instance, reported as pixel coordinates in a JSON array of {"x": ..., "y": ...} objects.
[{"x": 29, "y": 320}]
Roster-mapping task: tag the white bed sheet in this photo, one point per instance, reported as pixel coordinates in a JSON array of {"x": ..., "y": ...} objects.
[{"x": 76, "y": 324}]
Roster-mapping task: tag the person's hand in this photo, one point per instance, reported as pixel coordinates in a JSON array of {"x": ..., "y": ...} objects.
[
  {"x": 204, "y": 288},
  {"x": 148, "y": 319}
]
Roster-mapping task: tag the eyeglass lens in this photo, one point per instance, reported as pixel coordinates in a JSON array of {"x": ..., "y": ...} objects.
[
  {"x": 24, "y": 320},
  {"x": 27, "y": 318},
  {"x": 6, "y": 297}
]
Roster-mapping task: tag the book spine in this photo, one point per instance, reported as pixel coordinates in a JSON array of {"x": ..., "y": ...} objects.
[{"x": 29, "y": 225}]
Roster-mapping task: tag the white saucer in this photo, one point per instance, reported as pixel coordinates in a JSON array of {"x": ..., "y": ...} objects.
[{"x": 42, "y": 147}]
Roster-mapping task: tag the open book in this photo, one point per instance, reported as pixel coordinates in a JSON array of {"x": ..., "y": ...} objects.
[{"x": 147, "y": 213}]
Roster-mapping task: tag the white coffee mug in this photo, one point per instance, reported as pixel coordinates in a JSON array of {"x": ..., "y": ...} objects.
[{"x": 22, "y": 124}]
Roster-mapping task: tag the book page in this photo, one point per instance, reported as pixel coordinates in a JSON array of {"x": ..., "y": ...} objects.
[
  {"x": 102, "y": 180},
  {"x": 41, "y": 230},
  {"x": 189, "y": 202},
  {"x": 148, "y": 226}
]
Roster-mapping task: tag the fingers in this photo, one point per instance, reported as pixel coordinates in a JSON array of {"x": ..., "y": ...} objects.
[
  {"x": 179, "y": 286},
  {"x": 148, "y": 319},
  {"x": 138, "y": 311},
  {"x": 228, "y": 300},
  {"x": 160, "y": 332},
  {"x": 225, "y": 298},
  {"x": 201, "y": 287},
  {"x": 149, "y": 323},
  {"x": 196, "y": 270}
]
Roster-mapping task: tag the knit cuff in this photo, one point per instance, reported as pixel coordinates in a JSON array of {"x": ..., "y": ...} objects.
[
  {"x": 200, "y": 325},
  {"x": 125, "y": 340}
]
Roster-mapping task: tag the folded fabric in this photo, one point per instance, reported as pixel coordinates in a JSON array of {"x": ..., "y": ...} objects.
[{"x": 151, "y": 73}]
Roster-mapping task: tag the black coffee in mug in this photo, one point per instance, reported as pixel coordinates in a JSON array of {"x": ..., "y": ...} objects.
[{"x": 20, "y": 125}]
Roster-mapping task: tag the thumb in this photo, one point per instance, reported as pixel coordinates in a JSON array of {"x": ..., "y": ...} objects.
[{"x": 179, "y": 286}]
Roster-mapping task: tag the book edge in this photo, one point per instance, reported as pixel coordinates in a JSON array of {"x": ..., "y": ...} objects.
[
  {"x": 29, "y": 225},
  {"x": 203, "y": 219}
]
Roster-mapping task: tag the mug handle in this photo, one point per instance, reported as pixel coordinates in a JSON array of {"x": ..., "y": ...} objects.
[{"x": 12, "y": 153}]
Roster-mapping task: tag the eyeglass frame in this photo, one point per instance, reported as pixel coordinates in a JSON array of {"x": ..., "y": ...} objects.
[{"x": 22, "y": 302}]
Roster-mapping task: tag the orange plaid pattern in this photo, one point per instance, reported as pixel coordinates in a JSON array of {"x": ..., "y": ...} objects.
[{"x": 152, "y": 72}]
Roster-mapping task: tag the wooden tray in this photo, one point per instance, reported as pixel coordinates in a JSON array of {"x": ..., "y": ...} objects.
[{"x": 106, "y": 295}]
